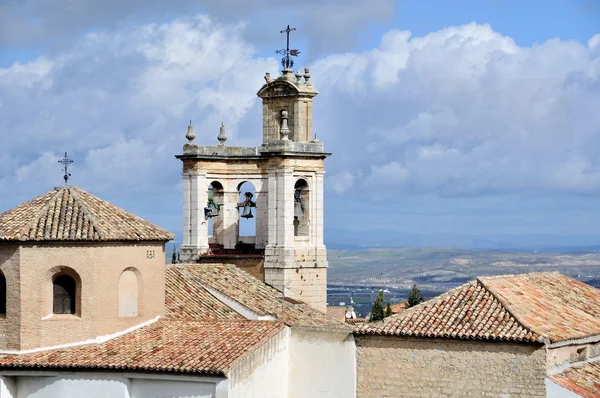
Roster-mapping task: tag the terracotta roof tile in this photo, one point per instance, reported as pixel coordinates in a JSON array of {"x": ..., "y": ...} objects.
[
  {"x": 249, "y": 292},
  {"x": 337, "y": 312},
  {"x": 583, "y": 380},
  {"x": 72, "y": 214},
  {"x": 185, "y": 299},
  {"x": 201, "y": 347},
  {"x": 399, "y": 307},
  {"x": 467, "y": 312},
  {"x": 551, "y": 304}
]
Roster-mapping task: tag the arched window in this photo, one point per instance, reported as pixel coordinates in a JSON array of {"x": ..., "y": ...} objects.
[
  {"x": 301, "y": 208},
  {"x": 64, "y": 294},
  {"x": 128, "y": 294},
  {"x": 2, "y": 294}
]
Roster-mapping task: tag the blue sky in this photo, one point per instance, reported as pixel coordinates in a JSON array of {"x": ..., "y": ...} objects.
[{"x": 468, "y": 117}]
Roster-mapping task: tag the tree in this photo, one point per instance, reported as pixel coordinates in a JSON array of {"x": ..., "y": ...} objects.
[
  {"x": 377, "y": 310},
  {"x": 174, "y": 256},
  {"x": 388, "y": 310},
  {"x": 415, "y": 297}
]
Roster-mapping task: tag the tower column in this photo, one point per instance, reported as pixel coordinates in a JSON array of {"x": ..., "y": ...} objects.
[
  {"x": 195, "y": 228},
  {"x": 231, "y": 219}
]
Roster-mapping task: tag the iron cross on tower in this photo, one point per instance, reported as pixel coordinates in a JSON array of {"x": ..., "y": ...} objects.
[
  {"x": 287, "y": 61},
  {"x": 66, "y": 162}
]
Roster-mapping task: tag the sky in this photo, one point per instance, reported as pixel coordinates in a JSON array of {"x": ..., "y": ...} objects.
[{"x": 472, "y": 117}]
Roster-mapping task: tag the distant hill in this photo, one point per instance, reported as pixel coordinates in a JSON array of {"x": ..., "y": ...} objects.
[{"x": 346, "y": 239}]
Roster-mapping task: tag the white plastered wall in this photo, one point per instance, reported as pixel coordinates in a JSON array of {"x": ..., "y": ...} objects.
[
  {"x": 322, "y": 364},
  {"x": 101, "y": 385},
  {"x": 264, "y": 373}
]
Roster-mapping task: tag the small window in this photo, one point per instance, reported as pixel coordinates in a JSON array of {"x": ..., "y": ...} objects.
[
  {"x": 65, "y": 290},
  {"x": 2, "y": 294}
]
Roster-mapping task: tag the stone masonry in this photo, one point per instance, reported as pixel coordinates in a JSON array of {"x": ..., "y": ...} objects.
[
  {"x": 390, "y": 366},
  {"x": 295, "y": 257}
]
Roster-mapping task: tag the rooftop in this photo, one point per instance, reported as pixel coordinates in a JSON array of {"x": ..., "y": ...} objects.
[
  {"x": 72, "y": 214},
  {"x": 191, "y": 290},
  {"x": 535, "y": 307},
  {"x": 190, "y": 347},
  {"x": 583, "y": 380}
]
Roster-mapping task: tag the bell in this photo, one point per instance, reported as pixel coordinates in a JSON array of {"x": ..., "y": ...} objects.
[
  {"x": 298, "y": 210},
  {"x": 211, "y": 210},
  {"x": 247, "y": 213}
]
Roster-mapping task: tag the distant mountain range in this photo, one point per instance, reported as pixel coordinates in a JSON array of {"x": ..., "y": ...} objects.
[{"x": 343, "y": 239}]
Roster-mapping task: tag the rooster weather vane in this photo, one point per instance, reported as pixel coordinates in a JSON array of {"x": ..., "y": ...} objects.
[
  {"x": 66, "y": 162},
  {"x": 287, "y": 62}
]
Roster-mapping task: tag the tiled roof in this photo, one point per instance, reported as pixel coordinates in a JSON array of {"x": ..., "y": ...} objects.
[
  {"x": 356, "y": 321},
  {"x": 337, "y": 312},
  {"x": 544, "y": 306},
  {"x": 551, "y": 304},
  {"x": 185, "y": 299},
  {"x": 250, "y": 293},
  {"x": 204, "y": 347},
  {"x": 467, "y": 312},
  {"x": 72, "y": 214},
  {"x": 583, "y": 380}
]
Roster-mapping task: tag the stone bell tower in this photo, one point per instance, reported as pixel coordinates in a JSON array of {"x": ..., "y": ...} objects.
[{"x": 287, "y": 172}]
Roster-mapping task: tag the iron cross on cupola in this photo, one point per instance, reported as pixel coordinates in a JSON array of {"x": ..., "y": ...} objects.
[
  {"x": 287, "y": 61},
  {"x": 66, "y": 162}
]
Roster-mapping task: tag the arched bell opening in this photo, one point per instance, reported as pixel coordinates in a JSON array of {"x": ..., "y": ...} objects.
[
  {"x": 247, "y": 215},
  {"x": 301, "y": 208},
  {"x": 213, "y": 210}
]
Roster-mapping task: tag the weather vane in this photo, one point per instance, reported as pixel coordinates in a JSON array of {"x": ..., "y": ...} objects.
[
  {"x": 287, "y": 61},
  {"x": 66, "y": 162}
]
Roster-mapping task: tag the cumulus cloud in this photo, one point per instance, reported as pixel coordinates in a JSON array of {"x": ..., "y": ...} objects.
[
  {"x": 459, "y": 112},
  {"x": 465, "y": 111}
]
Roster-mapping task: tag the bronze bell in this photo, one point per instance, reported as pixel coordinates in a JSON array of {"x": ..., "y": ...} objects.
[
  {"x": 211, "y": 210},
  {"x": 247, "y": 213}
]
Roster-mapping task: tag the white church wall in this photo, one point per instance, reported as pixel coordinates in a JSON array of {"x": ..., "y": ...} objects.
[
  {"x": 72, "y": 385},
  {"x": 554, "y": 390},
  {"x": 143, "y": 388},
  {"x": 264, "y": 373},
  {"x": 322, "y": 364},
  {"x": 102, "y": 385},
  {"x": 8, "y": 387}
]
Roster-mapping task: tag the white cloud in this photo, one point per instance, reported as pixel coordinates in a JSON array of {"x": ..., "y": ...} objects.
[
  {"x": 464, "y": 111},
  {"x": 461, "y": 111},
  {"x": 341, "y": 182}
]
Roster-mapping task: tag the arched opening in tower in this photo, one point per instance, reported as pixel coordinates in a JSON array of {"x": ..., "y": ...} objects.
[
  {"x": 301, "y": 208},
  {"x": 213, "y": 212},
  {"x": 247, "y": 215}
]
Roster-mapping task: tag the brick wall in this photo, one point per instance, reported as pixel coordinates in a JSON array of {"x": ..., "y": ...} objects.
[
  {"x": 99, "y": 267},
  {"x": 390, "y": 366},
  {"x": 11, "y": 321}
]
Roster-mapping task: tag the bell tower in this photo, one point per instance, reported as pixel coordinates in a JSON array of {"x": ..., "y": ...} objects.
[{"x": 287, "y": 171}]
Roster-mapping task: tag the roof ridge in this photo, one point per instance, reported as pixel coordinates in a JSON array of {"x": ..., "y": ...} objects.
[
  {"x": 93, "y": 223},
  {"x": 507, "y": 308}
]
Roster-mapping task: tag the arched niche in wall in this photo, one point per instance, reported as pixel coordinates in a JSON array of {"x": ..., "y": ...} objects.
[
  {"x": 301, "y": 208},
  {"x": 247, "y": 212},
  {"x": 214, "y": 208},
  {"x": 129, "y": 293}
]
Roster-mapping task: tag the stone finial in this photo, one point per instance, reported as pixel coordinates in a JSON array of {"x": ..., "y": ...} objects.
[
  {"x": 298, "y": 76},
  {"x": 222, "y": 137},
  {"x": 306, "y": 74},
  {"x": 268, "y": 77},
  {"x": 190, "y": 133},
  {"x": 284, "y": 130}
]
